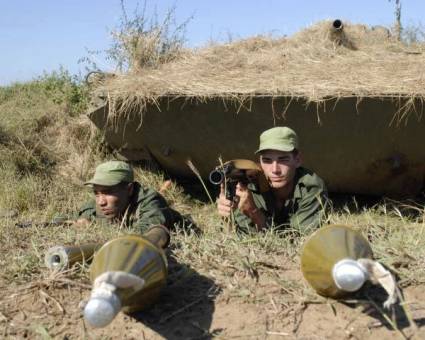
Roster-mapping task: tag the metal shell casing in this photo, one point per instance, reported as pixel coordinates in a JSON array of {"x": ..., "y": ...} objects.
[
  {"x": 323, "y": 249},
  {"x": 63, "y": 257},
  {"x": 136, "y": 255}
]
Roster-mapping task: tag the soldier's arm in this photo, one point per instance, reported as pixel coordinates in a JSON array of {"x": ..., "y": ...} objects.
[
  {"x": 82, "y": 222},
  {"x": 254, "y": 222},
  {"x": 247, "y": 216},
  {"x": 249, "y": 208},
  {"x": 82, "y": 218},
  {"x": 152, "y": 210},
  {"x": 311, "y": 210},
  {"x": 88, "y": 210},
  {"x": 254, "y": 219}
]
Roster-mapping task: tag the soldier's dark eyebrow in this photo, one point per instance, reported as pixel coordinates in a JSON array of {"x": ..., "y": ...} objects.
[
  {"x": 104, "y": 191},
  {"x": 270, "y": 159}
]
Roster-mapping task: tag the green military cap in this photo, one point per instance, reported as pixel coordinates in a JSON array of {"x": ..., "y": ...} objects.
[
  {"x": 279, "y": 138},
  {"x": 112, "y": 173}
]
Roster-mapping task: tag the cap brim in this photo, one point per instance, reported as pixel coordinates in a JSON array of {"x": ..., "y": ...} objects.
[
  {"x": 285, "y": 148},
  {"x": 105, "y": 183}
]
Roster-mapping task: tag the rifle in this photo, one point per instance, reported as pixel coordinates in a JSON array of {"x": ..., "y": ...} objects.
[
  {"x": 238, "y": 171},
  {"x": 56, "y": 221}
]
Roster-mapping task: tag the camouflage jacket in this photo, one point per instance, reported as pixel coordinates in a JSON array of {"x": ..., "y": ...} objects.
[
  {"x": 147, "y": 208},
  {"x": 305, "y": 210}
]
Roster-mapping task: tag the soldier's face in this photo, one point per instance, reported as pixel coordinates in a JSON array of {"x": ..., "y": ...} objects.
[
  {"x": 112, "y": 201},
  {"x": 279, "y": 167}
]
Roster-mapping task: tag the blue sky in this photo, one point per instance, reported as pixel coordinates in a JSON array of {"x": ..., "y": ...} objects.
[{"x": 37, "y": 36}]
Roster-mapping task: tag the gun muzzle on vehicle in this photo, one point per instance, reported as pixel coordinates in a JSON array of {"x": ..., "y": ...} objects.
[
  {"x": 337, "y": 25},
  {"x": 238, "y": 170},
  {"x": 128, "y": 274}
]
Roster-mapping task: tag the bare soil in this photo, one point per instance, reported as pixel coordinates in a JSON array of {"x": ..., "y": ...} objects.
[{"x": 194, "y": 306}]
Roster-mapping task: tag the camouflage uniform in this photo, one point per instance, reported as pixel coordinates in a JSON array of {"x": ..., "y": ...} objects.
[
  {"x": 147, "y": 208},
  {"x": 302, "y": 212}
]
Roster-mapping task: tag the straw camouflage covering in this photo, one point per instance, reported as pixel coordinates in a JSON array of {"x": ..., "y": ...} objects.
[{"x": 313, "y": 63}]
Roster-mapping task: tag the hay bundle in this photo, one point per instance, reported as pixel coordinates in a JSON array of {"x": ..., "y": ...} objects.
[{"x": 314, "y": 64}]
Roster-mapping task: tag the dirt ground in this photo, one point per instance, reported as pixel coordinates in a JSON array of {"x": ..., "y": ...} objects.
[{"x": 194, "y": 306}]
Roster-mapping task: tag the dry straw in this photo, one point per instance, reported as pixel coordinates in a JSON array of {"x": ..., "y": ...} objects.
[{"x": 317, "y": 63}]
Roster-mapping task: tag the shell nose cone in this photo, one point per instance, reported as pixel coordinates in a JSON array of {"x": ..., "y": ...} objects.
[
  {"x": 99, "y": 312},
  {"x": 348, "y": 275}
]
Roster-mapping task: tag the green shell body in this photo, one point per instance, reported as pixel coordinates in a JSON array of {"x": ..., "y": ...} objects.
[
  {"x": 136, "y": 255},
  {"x": 323, "y": 249}
]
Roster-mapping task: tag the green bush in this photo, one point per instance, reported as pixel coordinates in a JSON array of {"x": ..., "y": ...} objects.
[{"x": 64, "y": 89}]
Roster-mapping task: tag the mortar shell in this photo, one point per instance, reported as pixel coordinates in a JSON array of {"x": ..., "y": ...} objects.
[
  {"x": 324, "y": 249},
  {"x": 136, "y": 255}
]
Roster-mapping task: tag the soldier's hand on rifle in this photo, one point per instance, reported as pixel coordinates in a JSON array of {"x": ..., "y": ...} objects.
[
  {"x": 242, "y": 200},
  {"x": 225, "y": 206},
  {"x": 82, "y": 222},
  {"x": 246, "y": 202},
  {"x": 247, "y": 206}
]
